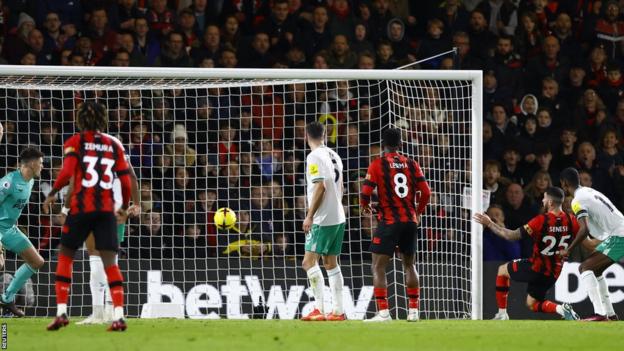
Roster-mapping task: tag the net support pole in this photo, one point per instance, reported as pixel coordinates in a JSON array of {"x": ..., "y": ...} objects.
[{"x": 476, "y": 242}]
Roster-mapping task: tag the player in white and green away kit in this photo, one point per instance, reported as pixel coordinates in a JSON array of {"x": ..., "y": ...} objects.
[
  {"x": 596, "y": 215},
  {"x": 324, "y": 224},
  {"x": 15, "y": 189}
]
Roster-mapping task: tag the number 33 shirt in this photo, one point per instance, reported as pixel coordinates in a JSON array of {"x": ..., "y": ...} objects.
[
  {"x": 604, "y": 218},
  {"x": 324, "y": 165}
]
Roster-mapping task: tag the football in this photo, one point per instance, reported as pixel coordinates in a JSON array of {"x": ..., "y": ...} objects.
[{"x": 225, "y": 218}]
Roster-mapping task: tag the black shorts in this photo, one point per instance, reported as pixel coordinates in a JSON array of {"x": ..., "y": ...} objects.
[
  {"x": 103, "y": 225},
  {"x": 537, "y": 283},
  {"x": 387, "y": 237}
]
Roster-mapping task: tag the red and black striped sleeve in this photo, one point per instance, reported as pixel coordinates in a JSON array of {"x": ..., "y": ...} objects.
[
  {"x": 370, "y": 183},
  {"x": 533, "y": 226},
  {"x": 423, "y": 187},
  {"x": 70, "y": 162}
]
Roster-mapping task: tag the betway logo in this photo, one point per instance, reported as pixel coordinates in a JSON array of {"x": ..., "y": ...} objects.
[
  {"x": 614, "y": 277},
  {"x": 210, "y": 298}
]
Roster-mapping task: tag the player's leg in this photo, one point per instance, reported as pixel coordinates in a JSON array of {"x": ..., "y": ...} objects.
[
  {"x": 97, "y": 283},
  {"x": 334, "y": 274},
  {"x": 75, "y": 231},
  {"x": 313, "y": 251},
  {"x": 592, "y": 267},
  {"x": 17, "y": 242},
  {"x": 536, "y": 299},
  {"x": 407, "y": 248},
  {"x": 502, "y": 291},
  {"x": 412, "y": 284},
  {"x": 382, "y": 248},
  {"x": 613, "y": 248},
  {"x": 106, "y": 242}
]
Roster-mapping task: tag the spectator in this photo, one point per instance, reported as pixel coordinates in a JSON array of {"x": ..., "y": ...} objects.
[
  {"x": 528, "y": 140},
  {"x": 16, "y": 44},
  {"x": 174, "y": 54},
  {"x": 183, "y": 155},
  {"x": 280, "y": 27},
  {"x": 361, "y": 42},
  {"x": 493, "y": 182},
  {"x": 228, "y": 147},
  {"x": 562, "y": 29},
  {"x": 319, "y": 61},
  {"x": 121, "y": 59},
  {"x": 566, "y": 155},
  {"x": 543, "y": 161},
  {"x": 586, "y": 160},
  {"x": 366, "y": 60},
  {"x": 102, "y": 37},
  {"x": 465, "y": 58},
  {"x": 231, "y": 34},
  {"x": 612, "y": 88},
  {"x": 228, "y": 58},
  {"x": 340, "y": 55},
  {"x": 54, "y": 40},
  {"x": 496, "y": 248},
  {"x": 150, "y": 243},
  {"x": 492, "y": 143},
  {"x": 260, "y": 55},
  {"x": 502, "y": 124},
  {"x": 518, "y": 211},
  {"x": 160, "y": 18},
  {"x": 127, "y": 14},
  {"x": 317, "y": 36},
  {"x": 555, "y": 102},
  {"x": 537, "y": 186},
  {"x": 434, "y": 43},
  {"x": 507, "y": 65},
  {"x": 596, "y": 68},
  {"x": 547, "y": 64},
  {"x": 147, "y": 46},
  {"x": 199, "y": 9},
  {"x": 454, "y": 15},
  {"x": 610, "y": 155},
  {"x": 502, "y": 15},
  {"x": 610, "y": 26},
  {"x": 186, "y": 26},
  {"x": 84, "y": 47},
  {"x": 482, "y": 40},
  {"x": 385, "y": 56},
  {"x": 586, "y": 113},
  {"x": 513, "y": 168},
  {"x": 210, "y": 47}
]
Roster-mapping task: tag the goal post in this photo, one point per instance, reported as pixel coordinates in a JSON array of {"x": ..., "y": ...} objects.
[{"x": 183, "y": 128}]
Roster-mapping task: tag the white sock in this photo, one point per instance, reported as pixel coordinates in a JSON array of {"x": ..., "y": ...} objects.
[
  {"x": 502, "y": 310},
  {"x": 384, "y": 313},
  {"x": 118, "y": 313},
  {"x": 604, "y": 294},
  {"x": 98, "y": 284},
  {"x": 317, "y": 282},
  {"x": 61, "y": 309},
  {"x": 591, "y": 286},
  {"x": 336, "y": 282},
  {"x": 560, "y": 310}
]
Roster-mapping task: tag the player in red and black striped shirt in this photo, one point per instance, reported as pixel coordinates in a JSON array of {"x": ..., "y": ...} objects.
[
  {"x": 398, "y": 180},
  {"x": 551, "y": 232},
  {"x": 92, "y": 159}
]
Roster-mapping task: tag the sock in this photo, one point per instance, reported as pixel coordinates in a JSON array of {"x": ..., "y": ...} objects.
[
  {"x": 381, "y": 298},
  {"x": 317, "y": 282},
  {"x": 98, "y": 284},
  {"x": 115, "y": 282},
  {"x": 412, "y": 296},
  {"x": 603, "y": 289},
  {"x": 108, "y": 300},
  {"x": 591, "y": 286},
  {"x": 63, "y": 282},
  {"x": 23, "y": 273},
  {"x": 336, "y": 282},
  {"x": 502, "y": 290},
  {"x": 545, "y": 306}
]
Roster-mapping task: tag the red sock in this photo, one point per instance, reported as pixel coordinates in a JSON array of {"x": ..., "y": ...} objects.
[
  {"x": 115, "y": 282},
  {"x": 545, "y": 306},
  {"x": 412, "y": 296},
  {"x": 63, "y": 278},
  {"x": 381, "y": 297},
  {"x": 502, "y": 290}
]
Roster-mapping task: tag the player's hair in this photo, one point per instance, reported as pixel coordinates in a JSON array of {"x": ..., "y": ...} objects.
[
  {"x": 392, "y": 138},
  {"x": 30, "y": 154},
  {"x": 92, "y": 116},
  {"x": 556, "y": 194},
  {"x": 315, "y": 130},
  {"x": 571, "y": 176}
]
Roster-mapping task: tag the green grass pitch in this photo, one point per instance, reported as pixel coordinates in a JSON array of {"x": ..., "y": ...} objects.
[{"x": 259, "y": 335}]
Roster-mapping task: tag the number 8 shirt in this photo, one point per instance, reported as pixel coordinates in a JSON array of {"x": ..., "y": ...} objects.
[{"x": 324, "y": 165}]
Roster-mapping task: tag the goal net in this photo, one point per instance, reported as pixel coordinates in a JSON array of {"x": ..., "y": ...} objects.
[{"x": 202, "y": 139}]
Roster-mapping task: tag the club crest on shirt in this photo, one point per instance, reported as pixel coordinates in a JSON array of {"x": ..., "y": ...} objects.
[
  {"x": 6, "y": 185},
  {"x": 69, "y": 149}
]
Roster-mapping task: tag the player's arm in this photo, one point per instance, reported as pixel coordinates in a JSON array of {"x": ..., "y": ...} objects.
[
  {"x": 67, "y": 172},
  {"x": 1, "y": 131},
  {"x": 368, "y": 187},
  {"x": 317, "y": 199},
  {"x": 5, "y": 189},
  {"x": 135, "y": 209},
  {"x": 423, "y": 188},
  {"x": 496, "y": 228}
]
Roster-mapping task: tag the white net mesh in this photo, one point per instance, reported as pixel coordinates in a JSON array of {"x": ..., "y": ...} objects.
[{"x": 198, "y": 145}]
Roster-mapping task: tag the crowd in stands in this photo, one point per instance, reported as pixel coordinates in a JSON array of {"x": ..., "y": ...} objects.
[{"x": 553, "y": 98}]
